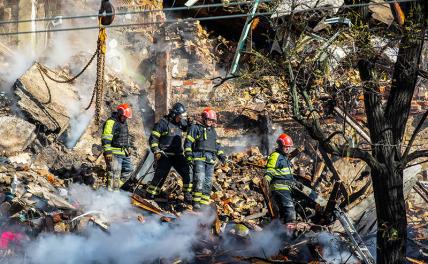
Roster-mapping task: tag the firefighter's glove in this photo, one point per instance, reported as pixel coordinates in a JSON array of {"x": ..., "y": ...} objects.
[
  {"x": 158, "y": 154},
  {"x": 298, "y": 185},
  {"x": 222, "y": 158},
  {"x": 108, "y": 158}
]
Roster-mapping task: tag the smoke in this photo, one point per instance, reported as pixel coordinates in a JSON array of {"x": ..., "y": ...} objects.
[
  {"x": 128, "y": 241},
  {"x": 109, "y": 203},
  {"x": 334, "y": 250},
  {"x": 13, "y": 67}
]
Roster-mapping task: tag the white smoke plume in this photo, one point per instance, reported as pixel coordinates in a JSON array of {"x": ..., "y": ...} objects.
[
  {"x": 128, "y": 241},
  {"x": 334, "y": 250}
]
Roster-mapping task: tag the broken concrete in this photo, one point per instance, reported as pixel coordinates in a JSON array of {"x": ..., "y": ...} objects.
[
  {"x": 45, "y": 101},
  {"x": 16, "y": 133}
]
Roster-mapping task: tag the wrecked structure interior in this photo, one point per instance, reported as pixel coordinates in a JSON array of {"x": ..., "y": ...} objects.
[{"x": 53, "y": 201}]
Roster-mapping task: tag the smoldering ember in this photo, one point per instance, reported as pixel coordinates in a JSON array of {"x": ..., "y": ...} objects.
[{"x": 221, "y": 131}]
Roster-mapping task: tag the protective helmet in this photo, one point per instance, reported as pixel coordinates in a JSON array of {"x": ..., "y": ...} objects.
[
  {"x": 177, "y": 109},
  {"x": 208, "y": 113},
  {"x": 284, "y": 140},
  {"x": 124, "y": 110}
]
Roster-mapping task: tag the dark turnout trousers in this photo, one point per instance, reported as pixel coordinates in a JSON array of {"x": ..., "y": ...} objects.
[{"x": 163, "y": 166}]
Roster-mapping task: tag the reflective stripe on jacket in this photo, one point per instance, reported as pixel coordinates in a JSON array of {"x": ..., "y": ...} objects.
[
  {"x": 167, "y": 136},
  {"x": 278, "y": 171},
  {"x": 115, "y": 137},
  {"x": 201, "y": 139}
]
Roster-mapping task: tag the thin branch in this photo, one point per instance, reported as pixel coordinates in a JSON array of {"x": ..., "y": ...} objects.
[
  {"x": 417, "y": 163},
  {"x": 414, "y": 155},
  {"x": 415, "y": 133}
]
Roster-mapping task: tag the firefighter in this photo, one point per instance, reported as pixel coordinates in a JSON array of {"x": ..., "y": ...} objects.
[
  {"x": 115, "y": 141},
  {"x": 167, "y": 146},
  {"x": 201, "y": 150},
  {"x": 279, "y": 174}
]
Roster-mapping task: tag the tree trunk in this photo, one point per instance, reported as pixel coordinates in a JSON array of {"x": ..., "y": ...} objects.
[{"x": 391, "y": 212}]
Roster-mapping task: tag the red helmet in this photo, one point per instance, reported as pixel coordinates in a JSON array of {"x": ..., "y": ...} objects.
[
  {"x": 284, "y": 140},
  {"x": 208, "y": 113},
  {"x": 125, "y": 110}
]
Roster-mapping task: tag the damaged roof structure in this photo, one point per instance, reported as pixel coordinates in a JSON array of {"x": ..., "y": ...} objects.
[{"x": 53, "y": 202}]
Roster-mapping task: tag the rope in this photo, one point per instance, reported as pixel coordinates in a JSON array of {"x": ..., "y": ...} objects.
[
  {"x": 45, "y": 70},
  {"x": 98, "y": 92}
]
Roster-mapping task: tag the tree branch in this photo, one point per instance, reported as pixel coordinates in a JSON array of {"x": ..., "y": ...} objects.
[
  {"x": 414, "y": 155},
  {"x": 413, "y": 137},
  {"x": 405, "y": 74}
]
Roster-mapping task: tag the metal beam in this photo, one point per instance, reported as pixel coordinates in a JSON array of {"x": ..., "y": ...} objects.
[{"x": 243, "y": 38}]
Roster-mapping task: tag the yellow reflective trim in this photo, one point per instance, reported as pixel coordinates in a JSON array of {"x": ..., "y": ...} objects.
[
  {"x": 204, "y": 202},
  {"x": 202, "y": 158},
  {"x": 119, "y": 152},
  {"x": 152, "y": 192},
  {"x": 165, "y": 133},
  {"x": 190, "y": 138},
  {"x": 268, "y": 178},
  {"x": 280, "y": 187},
  {"x": 188, "y": 149},
  {"x": 273, "y": 159},
  {"x": 154, "y": 145},
  {"x": 108, "y": 127},
  {"x": 156, "y": 133},
  {"x": 206, "y": 198},
  {"x": 220, "y": 152}
]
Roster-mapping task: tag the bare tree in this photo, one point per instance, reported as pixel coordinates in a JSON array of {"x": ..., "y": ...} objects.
[{"x": 317, "y": 78}]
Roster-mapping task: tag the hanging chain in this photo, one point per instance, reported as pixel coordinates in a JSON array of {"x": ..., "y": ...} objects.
[
  {"x": 99, "y": 83},
  {"x": 45, "y": 71}
]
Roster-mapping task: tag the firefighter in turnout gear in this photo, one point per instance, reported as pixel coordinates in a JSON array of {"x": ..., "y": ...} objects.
[
  {"x": 166, "y": 143},
  {"x": 201, "y": 150},
  {"x": 115, "y": 141},
  {"x": 279, "y": 174}
]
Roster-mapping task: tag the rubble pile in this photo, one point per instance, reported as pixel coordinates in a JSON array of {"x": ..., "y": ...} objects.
[
  {"x": 236, "y": 190},
  {"x": 202, "y": 52},
  {"x": 33, "y": 199}
]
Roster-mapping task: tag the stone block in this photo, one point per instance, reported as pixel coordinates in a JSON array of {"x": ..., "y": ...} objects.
[
  {"x": 16, "y": 135},
  {"x": 45, "y": 101}
]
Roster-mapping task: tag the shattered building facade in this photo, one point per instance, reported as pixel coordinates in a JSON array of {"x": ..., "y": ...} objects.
[{"x": 153, "y": 67}]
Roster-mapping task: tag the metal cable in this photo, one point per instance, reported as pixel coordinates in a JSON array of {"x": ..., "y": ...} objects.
[
  {"x": 132, "y": 12},
  {"x": 184, "y": 20},
  {"x": 133, "y": 24}
]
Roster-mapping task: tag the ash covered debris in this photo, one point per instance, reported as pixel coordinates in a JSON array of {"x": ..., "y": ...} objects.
[{"x": 52, "y": 144}]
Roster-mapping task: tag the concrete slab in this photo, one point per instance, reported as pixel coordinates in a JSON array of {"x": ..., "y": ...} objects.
[
  {"x": 16, "y": 134},
  {"x": 45, "y": 101}
]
